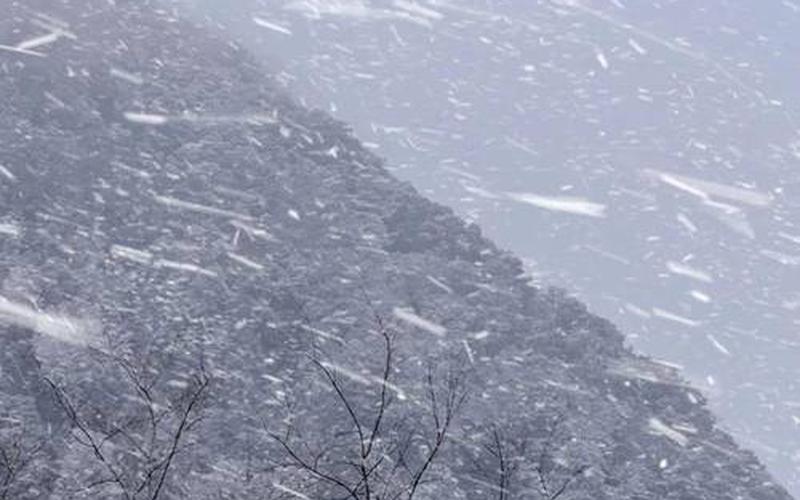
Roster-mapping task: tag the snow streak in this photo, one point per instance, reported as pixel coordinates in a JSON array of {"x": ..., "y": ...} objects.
[
  {"x": 60, "y": 327},
  {"x": 659, "y": 427},
  {"x": 577, "y": 206},
  {"x": 422, "y": 323}
]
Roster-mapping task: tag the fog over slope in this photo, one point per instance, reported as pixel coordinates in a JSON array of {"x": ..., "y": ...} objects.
[{"x": 642, "y": 154}]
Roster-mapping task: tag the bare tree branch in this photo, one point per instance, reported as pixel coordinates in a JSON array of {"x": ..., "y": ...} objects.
[
  {"x": 15, "y": 458},
  {"x": 380, "y": 467},
  {"x": 88, "y": 439},
  {"x": 455, "y": 396},
  {"x": 146, "y": 445},
  {"x": 313, "y": 469},
  {"x": 202, "y": 381}
]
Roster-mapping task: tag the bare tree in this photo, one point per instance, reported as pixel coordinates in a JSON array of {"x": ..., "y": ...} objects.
[
  {"x": 378, "y": 456},
  {"x": 516, "y": 464},
  {"x": 554, "y": 479},
  {"x": 17, "y": 458},
  {"x": 507, "y": 454},
  {"x": 134, "y": 451}
]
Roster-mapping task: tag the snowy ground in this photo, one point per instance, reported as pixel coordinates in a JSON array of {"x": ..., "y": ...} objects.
[{"x": 644, "y": 155}]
